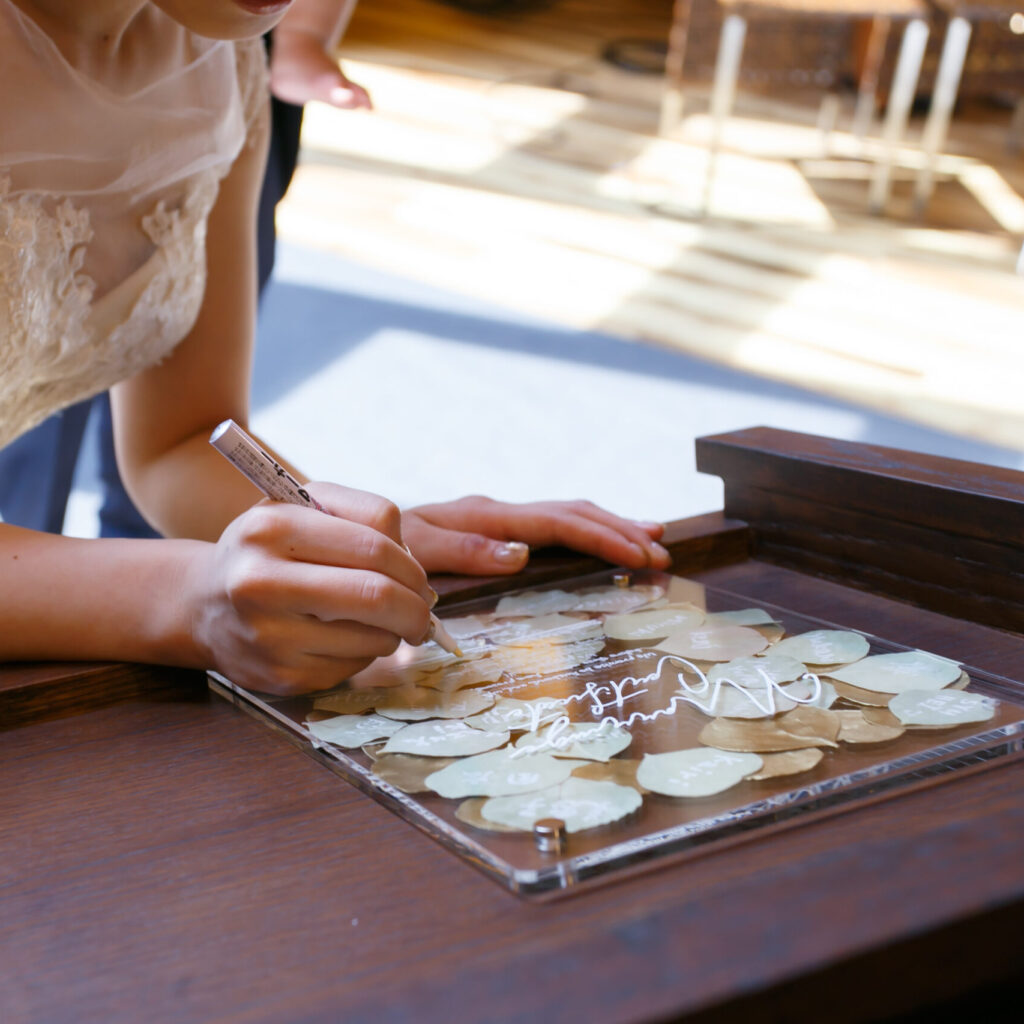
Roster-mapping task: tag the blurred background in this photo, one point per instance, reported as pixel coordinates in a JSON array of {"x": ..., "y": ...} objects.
[{"x": 544, "y": 264}]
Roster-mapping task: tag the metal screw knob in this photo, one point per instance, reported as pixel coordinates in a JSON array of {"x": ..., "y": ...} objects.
[
  {"x": 622, "y": 579},
  {"x": 549, "y": 835}
]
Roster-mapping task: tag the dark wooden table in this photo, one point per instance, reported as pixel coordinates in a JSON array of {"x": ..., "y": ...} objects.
[{"x": 166, "y": 857}]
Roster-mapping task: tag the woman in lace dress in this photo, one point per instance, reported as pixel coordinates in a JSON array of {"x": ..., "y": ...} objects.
[{"x": 132, "y": 141}]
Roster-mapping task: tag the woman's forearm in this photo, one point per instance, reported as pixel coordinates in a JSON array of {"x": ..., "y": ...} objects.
[
  {"x": 123, "y": 600},
  {"x": 191, "y": 490}
]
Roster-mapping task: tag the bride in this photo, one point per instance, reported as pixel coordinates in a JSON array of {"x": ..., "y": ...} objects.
[{"x": 132, "y": 143}]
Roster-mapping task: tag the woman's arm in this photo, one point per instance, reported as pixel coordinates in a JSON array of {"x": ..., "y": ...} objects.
[
  {"x": 163, "y": 416},
  {"x": 287, "y": 599}
]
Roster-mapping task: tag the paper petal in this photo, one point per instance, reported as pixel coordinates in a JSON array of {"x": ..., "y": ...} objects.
[
  {"x": 580, "y": 803},
  {"x": 652, "y": 625},
  {"x": 824, "y": 647},
  {"x": 420, "y": 703},
  {"x": 444, "y": 738},
  {"x": 696, "y": 772},
  {"x": 351, "y": 731},
  {"x": 894, "y": 673},
  {"x": 718, "y": 643},
  {"x": 496, "y": 773},
  {"x": 590, "y": 741},
  {"x": 942, "y": 709}
]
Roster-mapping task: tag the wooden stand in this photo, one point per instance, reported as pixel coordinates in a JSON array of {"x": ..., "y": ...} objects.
[{"x": 166, "y": 855}]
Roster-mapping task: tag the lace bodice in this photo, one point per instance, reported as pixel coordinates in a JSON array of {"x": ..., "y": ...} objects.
[{"x": 104, "y": 198}]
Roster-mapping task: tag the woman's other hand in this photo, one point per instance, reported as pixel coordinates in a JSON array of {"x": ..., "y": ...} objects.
[
  {"x": 479, "y": 536},
  {"x": 290, "y": 600},
  {"x": 302, "y": 71}
]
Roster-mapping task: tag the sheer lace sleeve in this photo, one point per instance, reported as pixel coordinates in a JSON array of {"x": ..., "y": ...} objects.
[
  {"x": 254, "y": 87},
  {"x": 106, "y": 186}
]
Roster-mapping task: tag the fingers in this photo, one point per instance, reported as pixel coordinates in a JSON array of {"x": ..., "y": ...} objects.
[
  {"x": 316, "y": 656},
  {"x": 360, "y": 507},
  {"x": 632, "y": 548},
  {"x": 329, "y": 595},
  {"x": 580, "y": 525},
  {"x": 307, "y": 536},
  {"x": 438, "y": 549}
]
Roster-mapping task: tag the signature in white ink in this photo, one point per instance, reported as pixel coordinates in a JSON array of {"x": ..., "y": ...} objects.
[{"x": 704, "y": 696}]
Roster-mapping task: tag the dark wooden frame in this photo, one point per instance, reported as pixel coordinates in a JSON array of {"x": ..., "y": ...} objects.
[{"x": 164, "y": 855}]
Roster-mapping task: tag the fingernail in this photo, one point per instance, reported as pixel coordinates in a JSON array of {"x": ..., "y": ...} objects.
[
  {"x": 340, "y": 95},
  {"x": 513, "y": 551},
  {"x": 645, "y": 525},
  {"x": 661, "y": 552},
  {"x": 639, "y": 552},
  {"x": 433, "y": 597}
]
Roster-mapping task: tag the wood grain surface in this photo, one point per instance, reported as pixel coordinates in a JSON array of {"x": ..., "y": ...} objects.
[
  {"x": 183, "y": 857},
  {"x": 945, "y": 534},
  {"x": 177, "y": 860}
]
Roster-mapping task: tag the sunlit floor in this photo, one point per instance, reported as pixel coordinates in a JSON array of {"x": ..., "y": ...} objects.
[
  {"x": 377, "y": 382},
  {"x": 500, "y": 281},
  {"x": 505, "y": 160}
]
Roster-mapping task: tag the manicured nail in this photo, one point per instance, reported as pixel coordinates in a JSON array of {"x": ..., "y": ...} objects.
[
  {"x": 513, "y": 552},
  {"x": 660, "y": 552},
  {"x": 645, "y": 525}
]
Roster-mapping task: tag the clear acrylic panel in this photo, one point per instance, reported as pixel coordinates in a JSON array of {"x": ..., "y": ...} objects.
[{"x": 552, "y": 642}]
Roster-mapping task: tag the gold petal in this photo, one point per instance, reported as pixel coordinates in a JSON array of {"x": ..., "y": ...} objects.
[
  {"x": 788, "y": 762},
  {"x": 771, "y": 631},
  {"x": 462, "y": 675},
  {"x": 881, "y": 716},
  {"x": 855, "y": 727},
  {"x": 417, "y": 704},
  {"x": 621, "y": 771},
  {"x": 407, "y": 771},
  {"x": 754, "y": 735},
  {"x": 351, "y": 702},
  {"x": 821, "y": 724},
  {"x": 855, "y": 695},
  {"x": 320, "y": 716}
]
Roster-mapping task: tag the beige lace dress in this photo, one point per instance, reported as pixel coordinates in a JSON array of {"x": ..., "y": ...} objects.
[{"x": 105, "y": 190}]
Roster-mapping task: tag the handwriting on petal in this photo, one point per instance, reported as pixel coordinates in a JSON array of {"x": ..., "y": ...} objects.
[{"x": 695, "y": 772}]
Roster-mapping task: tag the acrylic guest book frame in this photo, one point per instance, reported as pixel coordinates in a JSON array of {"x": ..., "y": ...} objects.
[
  {"x": 203, "y": 826},
  {"x": 646, "y": 715}
]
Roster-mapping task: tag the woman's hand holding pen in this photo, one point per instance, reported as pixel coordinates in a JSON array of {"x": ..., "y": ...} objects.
[
  {"x": 476, "y": 535},
  {"x": 290, "y": 600}
]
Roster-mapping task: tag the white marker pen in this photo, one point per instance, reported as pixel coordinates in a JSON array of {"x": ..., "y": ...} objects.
[{"x": 278, "y": 484}]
